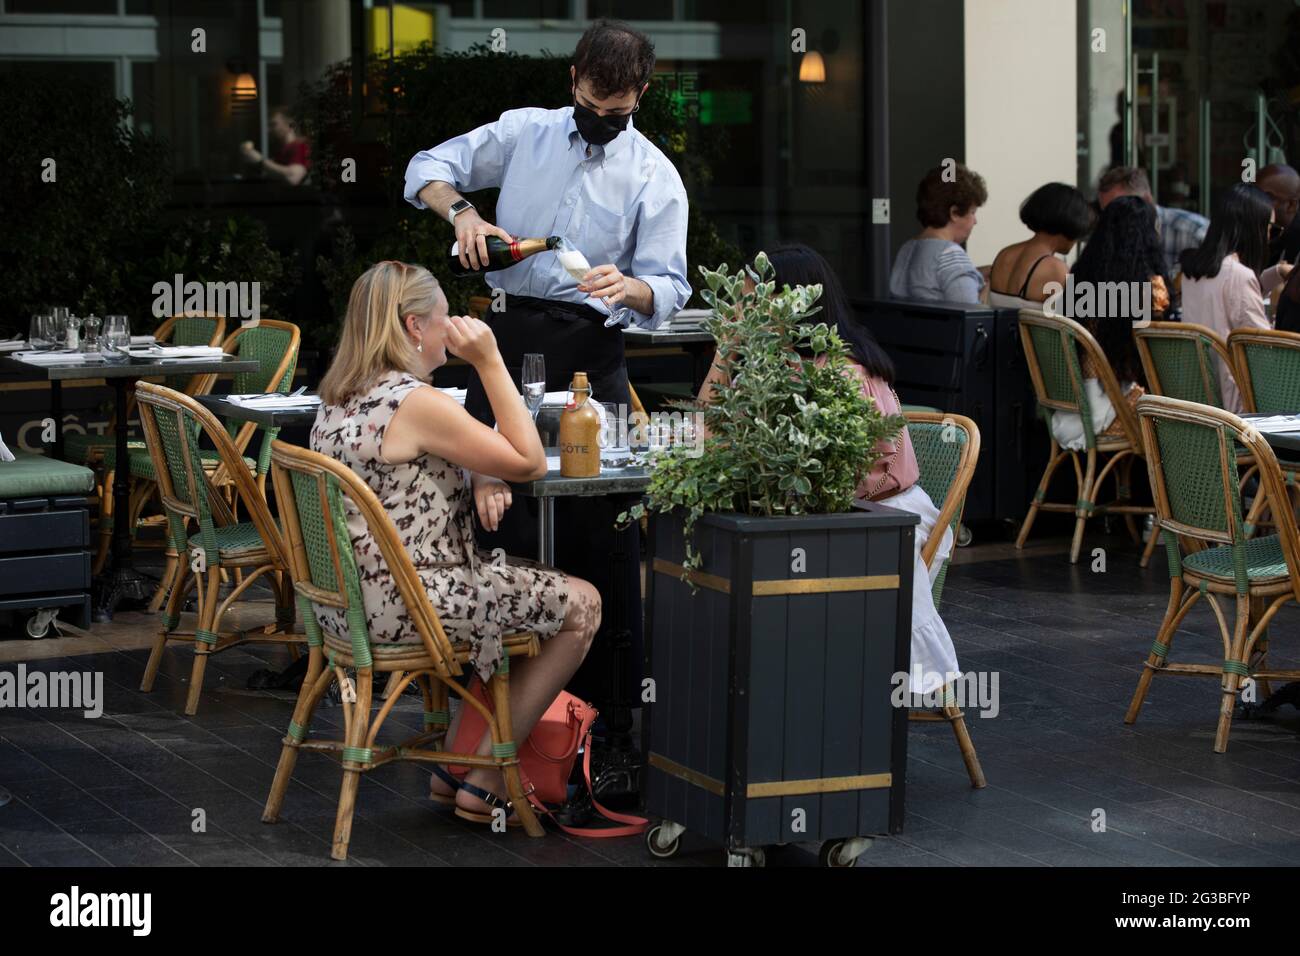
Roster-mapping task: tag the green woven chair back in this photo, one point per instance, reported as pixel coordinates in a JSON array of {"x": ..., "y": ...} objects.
[
  {"x": 179, "y": 432},
  {"x": 938, "y": 448},
  {"x": 1056, "y": 353},
  {"x": 1188, "y": 368},
  {"x": 317, "y": 501},
  {"x": 1274, "y": 372},
  {"x": 189, "y": 330},
  {"x": 266, "y": 345},
  {"x": 1201, "y": 493}
]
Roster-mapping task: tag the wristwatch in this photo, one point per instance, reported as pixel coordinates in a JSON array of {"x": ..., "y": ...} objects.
[{"x": 460, "y": 205}]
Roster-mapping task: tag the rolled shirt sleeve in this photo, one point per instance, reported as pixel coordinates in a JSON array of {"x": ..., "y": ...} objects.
[
  {"x": 472, "y": 161},
  {"x": 660, "y": 258}
]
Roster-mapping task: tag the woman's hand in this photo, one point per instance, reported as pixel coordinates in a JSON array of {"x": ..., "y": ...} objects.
[
  {"x": 491, "y": 497},
  {"x": 470, "y": 339}
]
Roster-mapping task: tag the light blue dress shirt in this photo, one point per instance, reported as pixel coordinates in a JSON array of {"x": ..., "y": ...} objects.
[{"x": 622, "y": 204}]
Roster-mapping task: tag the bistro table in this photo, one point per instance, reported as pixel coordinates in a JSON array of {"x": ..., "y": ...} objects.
[
  {"x": 1285, "y": 443},
  {"x": 222, "y": 407},
  {"x": 120, "y": 581},
  {"x": 616, "y": 770}
]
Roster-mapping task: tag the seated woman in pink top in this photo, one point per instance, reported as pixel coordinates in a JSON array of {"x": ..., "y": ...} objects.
[
  {"x": 893, "y": 480},
  {"x": 1224, "y": 279}
]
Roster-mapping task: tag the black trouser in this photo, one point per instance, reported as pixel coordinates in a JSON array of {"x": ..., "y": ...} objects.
[{"x": 573, "y": 338}]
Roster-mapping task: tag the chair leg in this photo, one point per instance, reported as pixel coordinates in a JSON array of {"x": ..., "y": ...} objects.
[
  {"x": 1083, "y": 511},
  {"x": 1041, "y": 494},
  {"x": 503, "y": 733},
  {"x": 1261, "y": 648},
  {"x": 105, "y": 523},
  {"x": 358, "y": 729},
  {"x": 1150, "y": 546},
  {"x": 166, "y": 582},
  {"x": 314, "y": 685},
  {"x": 1174, "y": 613},
  {"x": 1231, "y": 681},
  {"x": 206, "y": 626},
  {"x": 958, "y": 720},
  {"x": 171, "y": 618}
]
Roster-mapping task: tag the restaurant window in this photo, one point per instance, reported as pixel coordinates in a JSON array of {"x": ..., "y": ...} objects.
[
  {"x": 80, "y": 7},
  {"x": 143, "y": 96},
  {"x": 98, "y": 74},
  {"x": 630, "y": 9},
  {"x": 526, "y": 9}
]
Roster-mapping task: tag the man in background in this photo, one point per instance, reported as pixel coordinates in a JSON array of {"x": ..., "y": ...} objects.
[
  {"x": 1179, "y": 228},
  {"x": 290, "y": 154},
  {"x": 1282, "y": 183}
]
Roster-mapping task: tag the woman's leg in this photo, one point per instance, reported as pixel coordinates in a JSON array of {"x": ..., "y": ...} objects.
[{"x": 535, "y": 682}]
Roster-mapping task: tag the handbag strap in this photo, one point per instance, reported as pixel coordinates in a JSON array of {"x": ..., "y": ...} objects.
[{"x": 632, "y": 825}]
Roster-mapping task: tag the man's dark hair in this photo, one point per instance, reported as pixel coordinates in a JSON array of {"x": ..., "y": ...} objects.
[
  {"x": 1132, "y": 179},
  {"x": 1058, "y": 210},
  {"x": 613, "y": 58},
  {"x": 936, "y": 197}
]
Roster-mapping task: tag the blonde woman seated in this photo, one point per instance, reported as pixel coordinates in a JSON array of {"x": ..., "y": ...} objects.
[
  {"x": 894, "y": 479},
  {"x": 432, "y": 465}
]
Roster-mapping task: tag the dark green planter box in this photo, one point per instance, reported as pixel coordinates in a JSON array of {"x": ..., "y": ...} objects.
[{"x": 772, "y": 687}]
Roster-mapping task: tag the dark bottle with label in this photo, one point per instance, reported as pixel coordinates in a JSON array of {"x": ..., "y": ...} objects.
[{"x": 502, "y": 254}]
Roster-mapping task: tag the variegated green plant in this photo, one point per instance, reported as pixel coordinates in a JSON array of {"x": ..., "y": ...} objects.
[{"x": 785, "y": 435}]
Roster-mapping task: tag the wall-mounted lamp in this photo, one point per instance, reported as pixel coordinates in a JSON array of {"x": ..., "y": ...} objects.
[
  {"x": 812, "y": 68},
  {"x": 243, "y": 95}
]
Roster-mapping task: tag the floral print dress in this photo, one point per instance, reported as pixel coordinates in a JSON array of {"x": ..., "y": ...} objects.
[{"x": 478, "y": 596}]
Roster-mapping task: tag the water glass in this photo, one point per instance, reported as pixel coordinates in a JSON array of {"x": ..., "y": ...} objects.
[
  {"x": 116, "y": 338},
  {"x": 533, "y": 379},
  {"x": 40, "y": 334}
]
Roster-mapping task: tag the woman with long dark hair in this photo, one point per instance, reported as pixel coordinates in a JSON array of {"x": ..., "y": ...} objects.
[
  {"x": 1224, "y": 279},
  {"x": 894, "y": 480},
  {"x": 1120, "y": 270}
]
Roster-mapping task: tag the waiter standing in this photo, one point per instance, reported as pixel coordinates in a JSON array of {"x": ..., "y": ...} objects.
[{"x": 585, "y": 173}]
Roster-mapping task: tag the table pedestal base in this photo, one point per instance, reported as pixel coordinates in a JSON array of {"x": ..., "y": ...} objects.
[{"x": 114, "y": 587}]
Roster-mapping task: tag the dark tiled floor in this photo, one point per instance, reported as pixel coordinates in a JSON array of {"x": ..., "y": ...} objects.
[{"x": 1066, "y": 643}]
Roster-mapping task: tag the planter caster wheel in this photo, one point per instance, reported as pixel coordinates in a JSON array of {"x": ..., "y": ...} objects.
[
  {"x": 38, "y": 625},
  {"x": 663, "y": 840},
  {"x": 842, "y": 853},
  {"x": 964, "y": 536},
  {"x": 743, "y": 857}
]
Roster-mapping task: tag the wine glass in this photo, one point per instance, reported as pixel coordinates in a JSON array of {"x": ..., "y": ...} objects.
[
  {"x": 533, "y": 379},
  {"x": 115, "y": 341}
]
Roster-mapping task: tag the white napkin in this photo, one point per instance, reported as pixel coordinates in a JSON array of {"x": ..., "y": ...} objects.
[
  {"x": 51, "y": 358},
  {"x": 12, "y": 345},
  {"x": 5, "y": 453},
  {"x": 456, "y": 393},
  {"x": 274, "y": 400},
  {"x": 1276, "y": 423},
  {"x": 143, "y": 340},
  {"x": 177, "y": 351}
]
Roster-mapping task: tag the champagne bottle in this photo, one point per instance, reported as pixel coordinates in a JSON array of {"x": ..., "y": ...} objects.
[
  {"x": 580, "y": 433},
  {"x": 502, "y": 254}
]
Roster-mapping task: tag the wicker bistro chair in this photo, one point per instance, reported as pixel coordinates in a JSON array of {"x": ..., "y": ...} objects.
[
  {"x": 189, "y": 328},
  {"x": 311, "y": 489},
  {"x": 274, "y": 345},
  {"x": 1191, "y": 452},
  {"x": 1267, "y": 363},
  {"x": 1052, "y": 348},
  {"x": 947, "y": 449},
  {"x": 173, "y": 424}
]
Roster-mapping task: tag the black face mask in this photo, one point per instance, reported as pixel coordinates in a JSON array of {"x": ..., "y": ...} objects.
[{"x": 596, "y": 129}]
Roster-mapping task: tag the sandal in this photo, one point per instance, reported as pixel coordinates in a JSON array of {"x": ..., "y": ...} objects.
[
  {"x": 493, "y": 801},
  {"x": 446, "y": 799}
]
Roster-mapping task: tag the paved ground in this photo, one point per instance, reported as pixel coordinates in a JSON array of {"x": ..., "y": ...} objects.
[{"x": 1066, "y": 643}]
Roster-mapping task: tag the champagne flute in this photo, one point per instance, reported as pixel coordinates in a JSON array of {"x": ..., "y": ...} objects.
[{"x": 533, "y": 379}]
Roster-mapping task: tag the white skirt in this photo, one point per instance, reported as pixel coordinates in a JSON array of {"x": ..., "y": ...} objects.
[{"x": 933, "y": 655}]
